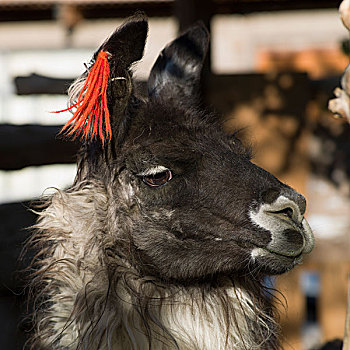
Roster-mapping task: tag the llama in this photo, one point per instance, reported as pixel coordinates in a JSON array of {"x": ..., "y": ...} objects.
[{"x": 166, "y": 236}]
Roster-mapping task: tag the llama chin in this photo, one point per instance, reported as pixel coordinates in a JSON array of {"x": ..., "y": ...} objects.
[{"x": 169, "y": 230}]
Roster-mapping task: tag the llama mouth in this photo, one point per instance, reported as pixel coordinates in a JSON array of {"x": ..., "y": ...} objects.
[
  {"x": 287, "y": 259},
  {"x": 290, "y": 255},
  {"x": 283, "y": 253}
]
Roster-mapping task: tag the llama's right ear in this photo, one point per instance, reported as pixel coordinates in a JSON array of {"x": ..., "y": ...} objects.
[
  {"x": 178, "y": 67},
  {"x": 126, "y": 44}
]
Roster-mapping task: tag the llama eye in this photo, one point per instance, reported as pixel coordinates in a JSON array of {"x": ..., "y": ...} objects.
[
  {"x": 159, "y": 179},
  {"x": 156, "y": 177}
]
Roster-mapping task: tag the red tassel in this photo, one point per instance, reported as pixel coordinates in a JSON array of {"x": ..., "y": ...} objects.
[{"x": 92, "y": 112}]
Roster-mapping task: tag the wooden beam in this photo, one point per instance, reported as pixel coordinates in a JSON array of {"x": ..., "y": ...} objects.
[
  {"x": 10, "y": 11},
  {"x": 251, "y": 6},
  {"x": 30, "y": 145},
  {"x": 40, "y": 84},
  {"x": 36, "y": 84}
]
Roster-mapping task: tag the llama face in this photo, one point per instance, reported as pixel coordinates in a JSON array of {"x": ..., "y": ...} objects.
[
  {"x": 200, "y": 206},
  {"x": 189, "y": 204}
]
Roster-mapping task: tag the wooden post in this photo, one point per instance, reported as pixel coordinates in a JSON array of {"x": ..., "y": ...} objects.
[
  {"x": 69, "y": 15},
  {"x": 346, "y": 345},
  {"x": 333, "y": 298},
  {"x": 189, "y": 12}
]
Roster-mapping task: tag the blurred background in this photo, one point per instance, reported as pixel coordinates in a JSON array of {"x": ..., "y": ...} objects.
[{"x": 272, "y": 67}]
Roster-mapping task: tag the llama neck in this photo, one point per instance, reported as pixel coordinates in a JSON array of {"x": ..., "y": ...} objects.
[
  {"x": 98, "y": 305},
  {"x": 205, "y": 318}
]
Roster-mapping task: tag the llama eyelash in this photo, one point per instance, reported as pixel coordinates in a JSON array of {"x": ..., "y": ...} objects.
[{"x": 153, "y": 170}]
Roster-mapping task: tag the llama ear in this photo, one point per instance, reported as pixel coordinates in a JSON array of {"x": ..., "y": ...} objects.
[
  {"x": 106, "y": 86},
  {"x": 126, "y": 44},
  {"x": 178, "y": 67}
]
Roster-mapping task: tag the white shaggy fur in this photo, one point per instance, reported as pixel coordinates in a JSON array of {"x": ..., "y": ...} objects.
[{"x": 84, "y": 314}]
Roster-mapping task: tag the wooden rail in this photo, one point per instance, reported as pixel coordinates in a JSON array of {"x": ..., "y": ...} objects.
[
  {"x": 39, "y": 84},
  {"x": 33, "y": 145}
]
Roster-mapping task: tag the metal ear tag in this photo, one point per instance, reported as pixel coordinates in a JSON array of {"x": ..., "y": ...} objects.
[{"x": 118, "y": 78}]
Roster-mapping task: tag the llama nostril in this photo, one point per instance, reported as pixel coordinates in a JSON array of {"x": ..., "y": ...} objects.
[
  {"x": 298, "y": 199},
  {"x": 286, "y": 209},
  {"x": 287, "y": 212}
]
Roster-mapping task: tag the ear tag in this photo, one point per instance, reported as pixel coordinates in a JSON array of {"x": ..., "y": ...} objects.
[{"x": 92, "y": 115}]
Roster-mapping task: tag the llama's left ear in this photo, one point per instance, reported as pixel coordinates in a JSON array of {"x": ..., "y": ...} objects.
[{"x": 177, "y": 70}]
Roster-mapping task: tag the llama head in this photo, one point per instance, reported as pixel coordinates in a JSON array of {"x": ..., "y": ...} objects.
[{"x": 185, "y": 202}]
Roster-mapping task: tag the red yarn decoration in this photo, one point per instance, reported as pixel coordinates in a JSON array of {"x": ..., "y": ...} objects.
[{"x": 92, "y": 111}]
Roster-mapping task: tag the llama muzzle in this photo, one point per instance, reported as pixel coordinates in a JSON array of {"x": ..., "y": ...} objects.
[{"x": 282, "y": 214}]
